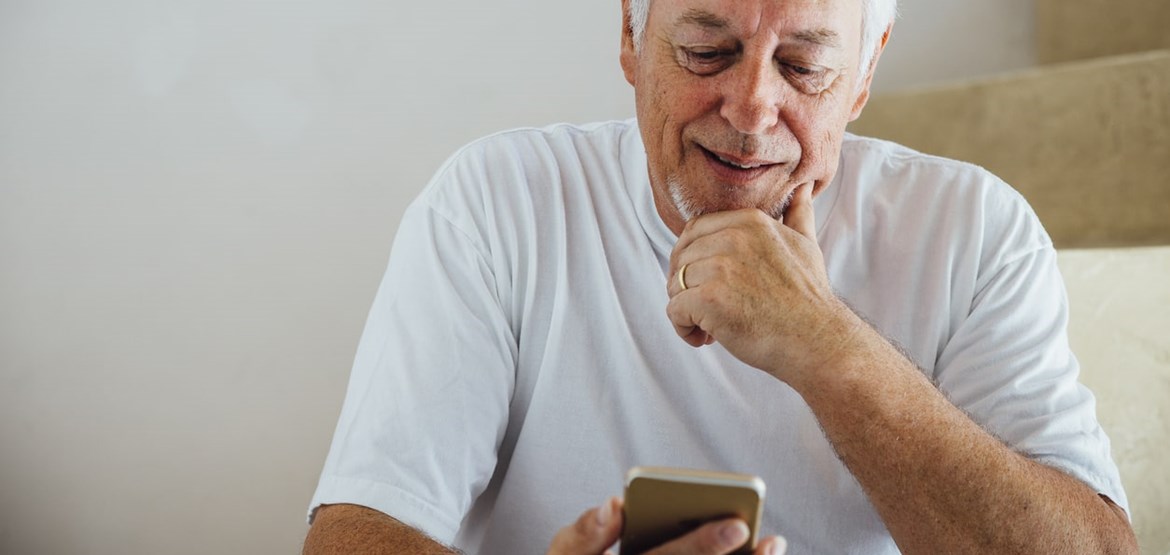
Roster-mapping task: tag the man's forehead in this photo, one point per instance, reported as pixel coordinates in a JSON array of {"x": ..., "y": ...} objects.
[{"x": 810, "y": 21}]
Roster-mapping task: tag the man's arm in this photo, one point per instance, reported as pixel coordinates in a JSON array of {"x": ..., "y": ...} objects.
[
  {"x": 939, "y": 482},
  {"x": 344, "y": 529}
]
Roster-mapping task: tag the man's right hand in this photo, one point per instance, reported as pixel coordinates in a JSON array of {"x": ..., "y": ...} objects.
[{"x": 598, "y": 528}]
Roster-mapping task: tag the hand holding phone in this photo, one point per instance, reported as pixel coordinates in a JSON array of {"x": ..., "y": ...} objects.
[{"x": 662, "y": 504}]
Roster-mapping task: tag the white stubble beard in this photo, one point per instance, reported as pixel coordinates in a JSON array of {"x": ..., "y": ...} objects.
[
  {"x": 689, "y": 210},
  {"x": 685, "y": 207}
]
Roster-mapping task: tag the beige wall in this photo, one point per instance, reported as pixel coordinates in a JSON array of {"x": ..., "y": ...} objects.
[
  {"x": 1092, "y": 28},
  {"x": 1118, "y": 329},
  {"x": 1086, "y": 143}
]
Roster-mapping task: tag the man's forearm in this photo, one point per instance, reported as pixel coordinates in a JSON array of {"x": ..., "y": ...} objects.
[
  {"x": 343, "y": 529},
  {"x": 940, "y": 482}
]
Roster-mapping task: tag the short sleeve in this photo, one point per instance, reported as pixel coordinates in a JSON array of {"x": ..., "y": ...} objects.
[
  {"x": 1009, "y": 366},
  {"x": 427, "y": 403}
]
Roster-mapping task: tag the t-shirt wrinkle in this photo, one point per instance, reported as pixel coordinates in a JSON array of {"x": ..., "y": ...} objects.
[{"x": 986, "y": 279}]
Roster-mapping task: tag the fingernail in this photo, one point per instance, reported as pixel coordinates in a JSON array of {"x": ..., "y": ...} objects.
[
  {"x": 734, "y": 534},
  {"x": 778, "y": 547},
  {"x": 604, "y": 513}
]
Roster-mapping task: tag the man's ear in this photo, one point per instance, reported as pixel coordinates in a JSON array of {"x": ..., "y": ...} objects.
[
  {"x": 629, "y": 54},
  {"x": 863, "y": 94}
]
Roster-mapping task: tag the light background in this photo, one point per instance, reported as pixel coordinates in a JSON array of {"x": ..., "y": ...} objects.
[{"x": 197, "y": 198}]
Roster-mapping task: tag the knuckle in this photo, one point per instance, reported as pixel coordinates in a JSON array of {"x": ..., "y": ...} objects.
[
  {"x": 707, "y": 294},
  {"x": 712, "y": 293},
  {"x": 732, "y": 236},
  {"x": 678, "y": 317},
  {"x": 726, "y": 241},
  {"x": 722, "y": 268},
  {"x": 672, "y": 309}
]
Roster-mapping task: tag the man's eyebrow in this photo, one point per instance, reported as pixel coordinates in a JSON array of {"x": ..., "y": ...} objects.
[
  {"x": 702, "y": 18},
  {"x": 819, "y": 37},
  {"x": 708, "y": 20}
]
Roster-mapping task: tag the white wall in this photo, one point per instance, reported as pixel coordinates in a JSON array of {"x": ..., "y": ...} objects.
[
  {"x": 938, "y": 41},
  {"x": 197, "y": 198}
]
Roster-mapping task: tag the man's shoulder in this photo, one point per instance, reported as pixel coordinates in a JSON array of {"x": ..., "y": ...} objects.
[
  {"x": 560, "y": 138},
  {"x": 535, "y": 155},
  {"x": 885, "y": 183},
  {"x": 515, "y": 172},
  {"x": 877, "y": 167},
  {"x": 524, "y": 160},
  {"x": 896, "y": 158}
]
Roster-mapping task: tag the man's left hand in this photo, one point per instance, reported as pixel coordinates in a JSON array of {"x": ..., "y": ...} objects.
[{"x": 597, "y": 529}]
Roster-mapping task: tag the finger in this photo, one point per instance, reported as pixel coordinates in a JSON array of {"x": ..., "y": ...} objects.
[
  {"x": 684, "y": 315},
  {"x": 593, "y": 532},
  {"x": 800, "y": 215},
  {"x": 686, "y": 308},
  {"x": 715, "y": 538},
  {"x": 684, "y": 325},
  {"x": 773, "y": 545},
  {"x": 709, "y": 259},
  {"x": 707, "y": 224},
  {"x": 695, "y": 336},
  {"x": 687, "y": 329},
  {"x": 686, "y": 276}
]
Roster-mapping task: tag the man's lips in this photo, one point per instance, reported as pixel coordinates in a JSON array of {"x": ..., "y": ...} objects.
[
  {"x": 735, "y": 170},
  {"x": 736, "y": 161}
]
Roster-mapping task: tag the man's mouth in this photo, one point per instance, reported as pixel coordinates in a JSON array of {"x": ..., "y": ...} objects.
[
  {"x": 748, "y": 165},
  {"x": 738, "y": 169}
]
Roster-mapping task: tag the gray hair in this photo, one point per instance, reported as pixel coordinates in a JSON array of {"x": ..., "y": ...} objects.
[{"x": 878, "y": 15}]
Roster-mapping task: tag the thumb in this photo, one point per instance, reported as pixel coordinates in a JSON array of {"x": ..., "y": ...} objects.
[
  {"x": 800, "y": 215},
  {"x": 594, "y": 531},
  {"x": 774, "y": 545}
]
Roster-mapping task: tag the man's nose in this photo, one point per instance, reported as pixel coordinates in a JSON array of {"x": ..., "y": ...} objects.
[{"x": 751, "y": 99}]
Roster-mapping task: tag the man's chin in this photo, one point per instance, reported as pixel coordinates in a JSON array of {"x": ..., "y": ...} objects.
[{"x": 690, "y": 208}]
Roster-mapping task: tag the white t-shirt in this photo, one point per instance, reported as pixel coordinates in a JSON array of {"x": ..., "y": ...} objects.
[{"x": 518, "y": 359}]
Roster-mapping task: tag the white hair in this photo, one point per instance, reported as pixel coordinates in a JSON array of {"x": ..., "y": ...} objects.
[{"x": 877, "y": 15}]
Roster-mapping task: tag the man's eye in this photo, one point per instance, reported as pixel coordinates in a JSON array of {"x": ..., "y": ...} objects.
[
  {"x": 705, "y": 61},
  {"x": 704, "y": 55},
  {"x": 811, "y": 80},
  {"x": 800, "y": 70}
]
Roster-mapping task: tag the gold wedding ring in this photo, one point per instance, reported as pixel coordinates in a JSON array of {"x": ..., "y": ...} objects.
[{"x": 682, "y": 277}]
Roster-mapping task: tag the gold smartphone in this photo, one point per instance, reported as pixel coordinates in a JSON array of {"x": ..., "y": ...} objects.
[{"x": 665, "y": 503}]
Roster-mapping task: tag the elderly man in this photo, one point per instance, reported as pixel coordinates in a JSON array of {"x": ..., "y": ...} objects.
[{"x": 732, "y": 283}]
